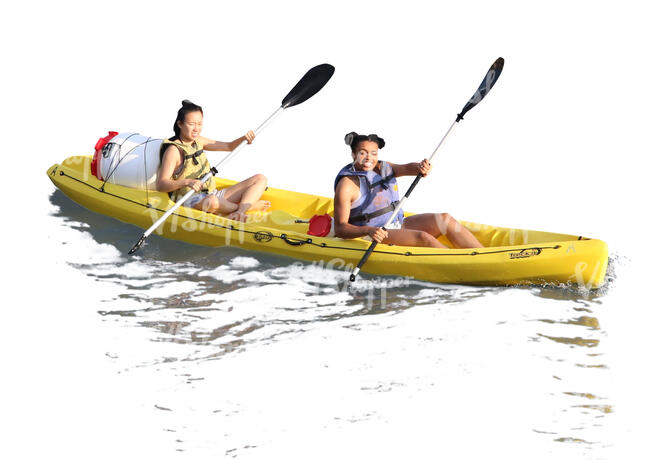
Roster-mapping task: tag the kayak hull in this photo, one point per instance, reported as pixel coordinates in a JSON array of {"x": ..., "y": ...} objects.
[{"x": 510, "y": 256}]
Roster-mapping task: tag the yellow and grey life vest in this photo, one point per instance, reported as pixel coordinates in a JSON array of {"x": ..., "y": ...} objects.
[{"x": 195, "y": 166}]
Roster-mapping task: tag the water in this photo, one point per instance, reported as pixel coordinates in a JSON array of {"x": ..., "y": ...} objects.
[{"x": 232, "y": 354}]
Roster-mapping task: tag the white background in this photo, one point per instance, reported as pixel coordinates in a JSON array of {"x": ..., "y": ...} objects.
[{"x": 559, "y": 144}]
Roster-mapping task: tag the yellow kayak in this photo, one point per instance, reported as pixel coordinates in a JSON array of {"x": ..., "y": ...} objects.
[{"x": 510, "y": 256}]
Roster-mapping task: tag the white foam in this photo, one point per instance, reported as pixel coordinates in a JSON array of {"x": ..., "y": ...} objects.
[{"x": 244, "y": 262}]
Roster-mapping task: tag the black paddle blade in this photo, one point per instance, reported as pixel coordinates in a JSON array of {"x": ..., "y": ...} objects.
[
  {"x": 310, "y": 84},
  {"x": 486, "y": 85},
  {"x": 137, "y": 245}
]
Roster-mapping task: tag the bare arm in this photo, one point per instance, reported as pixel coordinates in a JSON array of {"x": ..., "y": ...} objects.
[
  {"x": 412, "y": 169},
  {"x": 219, "y": 146},
  {"x": 171, "y": 161},
  {"x": 345, "y": 194}
]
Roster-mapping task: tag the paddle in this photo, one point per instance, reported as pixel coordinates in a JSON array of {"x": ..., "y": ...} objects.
[
  {"x": 486, "y": 85},
  {"x": 311, "y": 83}
]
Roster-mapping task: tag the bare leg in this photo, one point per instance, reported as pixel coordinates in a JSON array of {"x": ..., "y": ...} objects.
[
  {"x": 245, "y": 194},
  {"x": 410, "y": 237},
  {"x": 443, "y": 224},
  {"x": 215, "y": 205}
]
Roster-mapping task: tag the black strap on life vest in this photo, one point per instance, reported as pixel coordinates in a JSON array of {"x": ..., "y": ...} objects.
[
  {"x": 379, "y": 212},
  {"x": 194, "y": 156},
  {"x": 383, "y": 181}
]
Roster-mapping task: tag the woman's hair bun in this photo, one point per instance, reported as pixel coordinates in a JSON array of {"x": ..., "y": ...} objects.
[
  {"x": 353, "y": 140},
  {"x": 349, "y": 138},
  {"x": 186, "y": 107},
  {"x": 374, "y": 138}
]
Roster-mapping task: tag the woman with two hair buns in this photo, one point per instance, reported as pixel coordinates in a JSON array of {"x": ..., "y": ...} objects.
[
  {"x": 366, "y": 195},
  {"x": 183, "y": 163}
]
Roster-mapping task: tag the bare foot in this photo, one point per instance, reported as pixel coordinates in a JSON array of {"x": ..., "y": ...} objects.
[
  {"x": 238, "y": 215},
  {"x": 260, "y": 205}
]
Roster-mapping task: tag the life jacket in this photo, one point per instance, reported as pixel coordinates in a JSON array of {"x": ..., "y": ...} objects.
[
  {"x": 195, "y": 166},
  {"x": 379, "y": 196}
]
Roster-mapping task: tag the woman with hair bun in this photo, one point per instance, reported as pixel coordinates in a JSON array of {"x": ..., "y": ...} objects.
[
  {"x": 366, "y": 196},
  {"x": 183, "y": 162}
]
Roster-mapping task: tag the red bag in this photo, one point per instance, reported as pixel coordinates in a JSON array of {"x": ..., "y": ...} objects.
[
  {"x": 98, "y": 151},
  {"x": 320, "y": 225}
]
